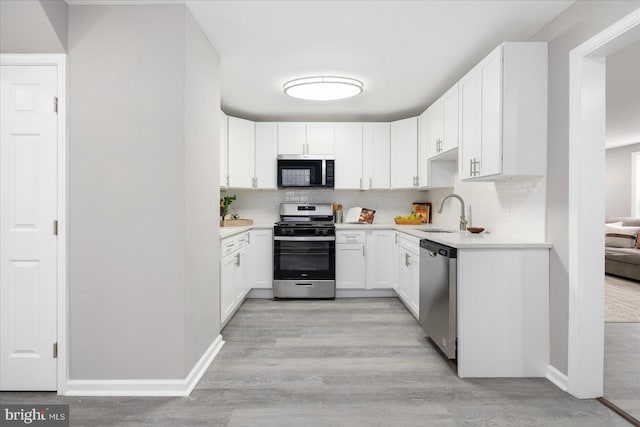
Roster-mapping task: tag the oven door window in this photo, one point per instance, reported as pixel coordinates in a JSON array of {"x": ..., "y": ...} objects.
[{"x": 304, "y": 260}]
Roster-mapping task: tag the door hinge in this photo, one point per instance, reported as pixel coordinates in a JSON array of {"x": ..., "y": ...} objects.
[
  {"x": 55, "y": 350},
  {"x": 55, "y": 104},
  {"x": 55, "y": 227}
]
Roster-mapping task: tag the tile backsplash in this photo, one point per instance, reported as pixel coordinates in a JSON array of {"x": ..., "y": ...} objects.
[{"x": 514, "y": 207}]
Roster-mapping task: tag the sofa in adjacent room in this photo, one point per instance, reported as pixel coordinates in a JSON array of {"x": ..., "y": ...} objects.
[{"x": 622, "y": 261}]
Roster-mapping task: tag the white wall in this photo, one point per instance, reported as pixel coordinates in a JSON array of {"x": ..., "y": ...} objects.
[
  {"x": 202, "y": 160},
  {"x": 143, "y": 164},
  {"x": 570, "y": 29},
  {"x": 618, "y": 180},
  {"x": 32, "y": 26}
]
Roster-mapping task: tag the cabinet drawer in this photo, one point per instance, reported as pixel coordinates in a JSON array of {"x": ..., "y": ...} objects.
[
  {"x": 351, "y": 236},
  {"x": 408, "y": 242},
  {"x": 232, "y": 244}
]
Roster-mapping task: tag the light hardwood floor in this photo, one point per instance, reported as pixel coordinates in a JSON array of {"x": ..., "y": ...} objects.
[{"x": 349, "y": 362}]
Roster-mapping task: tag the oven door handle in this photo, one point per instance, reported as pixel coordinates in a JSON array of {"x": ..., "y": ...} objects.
[{"x": 305, "y": 239}]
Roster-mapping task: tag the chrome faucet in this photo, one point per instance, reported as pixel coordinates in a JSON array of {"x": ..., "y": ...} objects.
[{"x": 463, "y": 220}]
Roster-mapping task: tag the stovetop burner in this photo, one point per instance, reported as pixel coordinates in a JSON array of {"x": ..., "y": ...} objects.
[{"x": 307, "y": 224}]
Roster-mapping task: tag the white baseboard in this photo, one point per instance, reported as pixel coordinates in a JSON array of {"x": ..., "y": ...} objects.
[
  {"x": 168, "y": 387},
  {"x": 557, "y": 378},
  {"x": 260, "y": 293},
  {"x": 365, "y": 293},
  {"x": 340, "y": 293}
]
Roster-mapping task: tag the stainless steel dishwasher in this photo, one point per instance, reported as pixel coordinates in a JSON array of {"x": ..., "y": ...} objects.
[{"x": 438, "y": 290}]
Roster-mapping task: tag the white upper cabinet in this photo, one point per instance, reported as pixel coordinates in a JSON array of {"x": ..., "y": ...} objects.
[
  {"x": 224, "y": 167},
  {"x": 348, "y": 156},
  {"x": 241, "y": 153},
  {"x": 503, "y": 114},
  {"x": 320, "y": 138},
  {"x": 292, "y": 138},
  {"x": 266, "y": 152},
  {"x": 305, "y": 138},
  {"x": 376, "y": 152},
  {"x": 404, "y": 153},
  {"x": 450, "y": 119},
  {"x": 442, "y": 118},
  {"x": 424, "y": 151}
]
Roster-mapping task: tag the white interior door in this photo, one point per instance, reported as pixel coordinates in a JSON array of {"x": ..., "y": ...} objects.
[{"x": 28, "y": 193}]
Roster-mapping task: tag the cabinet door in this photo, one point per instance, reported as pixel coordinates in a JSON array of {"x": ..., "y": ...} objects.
[
  {"x": 404, "y": 153},
  {"x": 227, "y": 287},
  {"x": 404, "y": 279},
  {"x": 414, "y": 298},
  {"x": 241, "y": 153},
  {"x": 470, "y": 122},
  {"x": 350, "y": 266},
  {"x": 266, "y": 154},
  {"x": 424, "y": 150},
  {"x": 435, "y": 118},
  {"x": 380, "y": 256},
  {"x": 320, "y": 138},
  {"x": 292, "y": 138},
  {"x": 224, "y": 166},
  {"x": 241, "y": 277},
  {"x": 376, "y": 152},
  {"x": 261, "y": 258},
  {"x": 491, "y": 145},
  {"x": 450, "y": 119},
  {"x": 348, "y": 156}
]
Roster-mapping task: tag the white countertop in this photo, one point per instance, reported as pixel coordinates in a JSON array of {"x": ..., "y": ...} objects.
[
  {"x": 456, "y": 239},
  {"x": 232, "y": 231}
]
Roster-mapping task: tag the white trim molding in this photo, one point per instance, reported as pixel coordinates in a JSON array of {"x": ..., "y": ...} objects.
[
  {"x": 558, "y": 378},
  {"x": 166, "y": 387},
  {"x": 60, "y": 61},
  {"x": 587, "y": 99}
]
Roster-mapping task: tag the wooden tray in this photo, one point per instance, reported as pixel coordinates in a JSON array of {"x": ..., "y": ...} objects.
[
  {"x": 408, "y": 221},
  {"x": 236, "y": 222}
]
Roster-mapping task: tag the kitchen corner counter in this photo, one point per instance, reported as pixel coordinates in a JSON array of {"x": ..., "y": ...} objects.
[
  {"x": 232, "y": 231},
  {"x": 454, "y": 238}
]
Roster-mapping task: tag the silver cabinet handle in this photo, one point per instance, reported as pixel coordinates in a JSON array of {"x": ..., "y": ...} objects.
[
  {"x": 237, "y": 260},
  {"x": 363, "y": 254},
  {"x": 370, "y": 183},
  {"x": 361, "y": 183},
  {"x": 248, "y": 238},
  {"x": 396, "y": 238},
  {"x": 406, "y": 259}
]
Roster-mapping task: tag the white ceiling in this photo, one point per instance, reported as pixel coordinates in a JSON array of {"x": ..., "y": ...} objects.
[
  {"x": 407, "y": 53},
  {"x": 623, "y": 96}
]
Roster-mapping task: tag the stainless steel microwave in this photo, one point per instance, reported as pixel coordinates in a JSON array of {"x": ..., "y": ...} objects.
[{"x": 305, "y": 171}]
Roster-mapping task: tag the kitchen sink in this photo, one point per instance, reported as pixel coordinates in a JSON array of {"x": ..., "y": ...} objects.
[{"x": 434, "y": 230}]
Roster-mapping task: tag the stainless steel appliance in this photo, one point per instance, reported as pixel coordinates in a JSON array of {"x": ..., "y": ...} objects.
[
  {"x": 305, "y": 171},
  {"x": 304, "y": 251},
  {"x": 438, "y": 295}
]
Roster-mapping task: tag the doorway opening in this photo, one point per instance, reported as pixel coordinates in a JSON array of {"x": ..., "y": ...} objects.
[{"x": 587, "y": 100}]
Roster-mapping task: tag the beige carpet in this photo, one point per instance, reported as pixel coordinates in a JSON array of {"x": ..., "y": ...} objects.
[{"x": 621, "y": 300}]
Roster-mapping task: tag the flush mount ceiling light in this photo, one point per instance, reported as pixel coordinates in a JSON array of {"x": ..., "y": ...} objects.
[{"x": 325, "y": 88}]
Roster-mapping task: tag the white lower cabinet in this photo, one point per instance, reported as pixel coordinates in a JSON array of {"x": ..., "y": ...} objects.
[
  {"x": 234, "y": 271},
  {"x": 409, "y": 272},
  {"x": 261, "y": 258},
  {"x": 381, "y": 259},
  {"x": 350, "y": 259}
]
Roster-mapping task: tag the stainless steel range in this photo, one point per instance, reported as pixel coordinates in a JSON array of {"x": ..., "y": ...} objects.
[{"x": 304, "y": 251}]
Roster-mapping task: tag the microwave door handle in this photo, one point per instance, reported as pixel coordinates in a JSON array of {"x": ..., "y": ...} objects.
[{"x": 324, "y": 173}]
